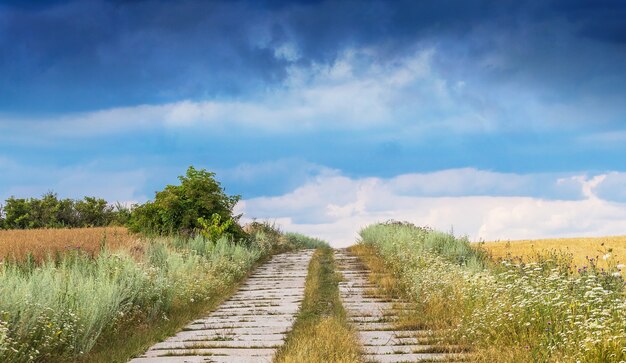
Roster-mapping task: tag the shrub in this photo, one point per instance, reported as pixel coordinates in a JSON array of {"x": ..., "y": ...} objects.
[{"x": 180, "y": 208}]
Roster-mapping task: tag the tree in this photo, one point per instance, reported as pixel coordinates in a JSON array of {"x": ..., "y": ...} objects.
[
  {"x": 93, "y": 212},
  {"x": 17, "y": 213},
  {"x": 181, "y": 208}
]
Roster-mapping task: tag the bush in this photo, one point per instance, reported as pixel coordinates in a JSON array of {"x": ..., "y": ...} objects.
[{"x": 180, "y": 209}]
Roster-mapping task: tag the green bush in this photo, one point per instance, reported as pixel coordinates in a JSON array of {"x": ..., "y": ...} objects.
[{"x": 179, "y": 209}]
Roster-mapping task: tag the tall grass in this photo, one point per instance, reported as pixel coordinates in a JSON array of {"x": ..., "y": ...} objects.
[
  {"x": 58, "y": 309},
  {"x": 41, "y": 243},
  {"x": 512, "y": 311},
  {"x": 301, "y": 241}
]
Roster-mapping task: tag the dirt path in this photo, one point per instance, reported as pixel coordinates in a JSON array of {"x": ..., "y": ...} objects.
[
  {"x": 373, "y": 317},
  {"x": 250, "y": 326}
]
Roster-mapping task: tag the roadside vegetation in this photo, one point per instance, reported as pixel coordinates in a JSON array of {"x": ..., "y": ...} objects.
[
  {"x": 511, "y": 310},
  {"x": 105, "y": 294},
  {"x": 321, "y": 332}
]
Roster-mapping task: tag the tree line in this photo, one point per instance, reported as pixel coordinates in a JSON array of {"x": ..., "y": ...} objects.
[
  {"x": 50, "y": 211},
  {"x": 197, "y": 204}
]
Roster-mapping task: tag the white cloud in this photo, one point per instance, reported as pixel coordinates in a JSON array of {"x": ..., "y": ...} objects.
[
  {"x": 357, "y": 91},
  {"x": 335, "y": 207}
]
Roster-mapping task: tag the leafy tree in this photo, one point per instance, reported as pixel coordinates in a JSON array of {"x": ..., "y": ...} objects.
[
  {"x": 43, "y": 212},
  {"x": 94, "y": 212},
  {"x": 52, "y": 212},
  {"x": 181, "y": 208},
  {"x": 17, "y": 213}
]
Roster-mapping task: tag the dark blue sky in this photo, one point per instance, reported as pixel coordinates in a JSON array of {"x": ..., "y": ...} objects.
[{"x": 117, "y": 98}]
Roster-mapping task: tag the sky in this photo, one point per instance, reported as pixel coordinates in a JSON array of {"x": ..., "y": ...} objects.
[{"x": 492, "y": 119}]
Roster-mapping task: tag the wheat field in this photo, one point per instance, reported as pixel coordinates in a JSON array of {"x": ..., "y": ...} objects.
[
  {"x": 580, "y": 248},
  {"x": 16, "y": 244}
]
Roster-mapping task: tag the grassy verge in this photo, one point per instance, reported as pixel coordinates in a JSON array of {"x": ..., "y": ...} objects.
[
  {"x": 390, "y": 284},
  {"x": 134, "y": 338},
  {"x": 110, "y": 306},
  {"x": 321, "y": 333},
  {"x": 513, "y": 311}
]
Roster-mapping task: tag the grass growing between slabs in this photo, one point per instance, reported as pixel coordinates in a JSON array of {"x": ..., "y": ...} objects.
[{"x": 321, "y": 332}]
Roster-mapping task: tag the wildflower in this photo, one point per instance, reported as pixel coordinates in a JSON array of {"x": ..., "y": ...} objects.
[
  {"x": 606, "y": 257},
  {"x": 620, "y": 266}
]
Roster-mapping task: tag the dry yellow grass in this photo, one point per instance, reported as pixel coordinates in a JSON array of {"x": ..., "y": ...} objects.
[
  {"x": 16, "y": 244},
  {"x": 579, "y": 248},
  {"x": 321, "y": 332}
]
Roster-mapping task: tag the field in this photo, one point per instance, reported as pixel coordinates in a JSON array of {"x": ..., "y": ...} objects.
[
  {"x": 17, "y": 244},
  {"x": 580, "y": 249}
]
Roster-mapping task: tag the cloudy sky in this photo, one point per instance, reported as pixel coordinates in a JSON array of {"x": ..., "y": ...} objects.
[{"x": 496, "y": 119}]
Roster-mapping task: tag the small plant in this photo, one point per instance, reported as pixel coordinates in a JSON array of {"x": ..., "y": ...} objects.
[{"x": 215, "y": 228}]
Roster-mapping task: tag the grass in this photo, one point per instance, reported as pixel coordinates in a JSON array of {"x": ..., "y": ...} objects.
[
  {"x": 393, "y": 286},
  {"x": 512, "y": 311},
  {"x": 111, "y": 305},
  {"x": 321, "y": 332},
  {"x": 132, "y": 339},
  {"x": 580, "y": 249},
  {"x": 40, "y": 243}
]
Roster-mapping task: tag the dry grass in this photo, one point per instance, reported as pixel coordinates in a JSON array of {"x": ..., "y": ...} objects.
[
  {"x": 17, "y": 244},
  {"x": 579, "y": 248},
  {"x": 321, "y": 332}
]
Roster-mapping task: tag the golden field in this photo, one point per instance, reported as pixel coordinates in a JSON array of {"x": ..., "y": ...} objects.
[
  {"x": 16, "y": 244},
  {"x": 579, "y": 248}
]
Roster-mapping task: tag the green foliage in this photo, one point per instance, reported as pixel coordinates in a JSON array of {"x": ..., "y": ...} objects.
[
  {"x": 178, "y": 208},
  {"x": 52, "y": 212},
  {"x": 215, "y": 228}
]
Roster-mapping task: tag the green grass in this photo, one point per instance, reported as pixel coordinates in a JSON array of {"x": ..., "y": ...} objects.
[
  {"x": 321, "y": 332},
  {"x": 113, "y": 306},
  {"x": 134, "y": 339},
  {"x": 513, "y": 311}
]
